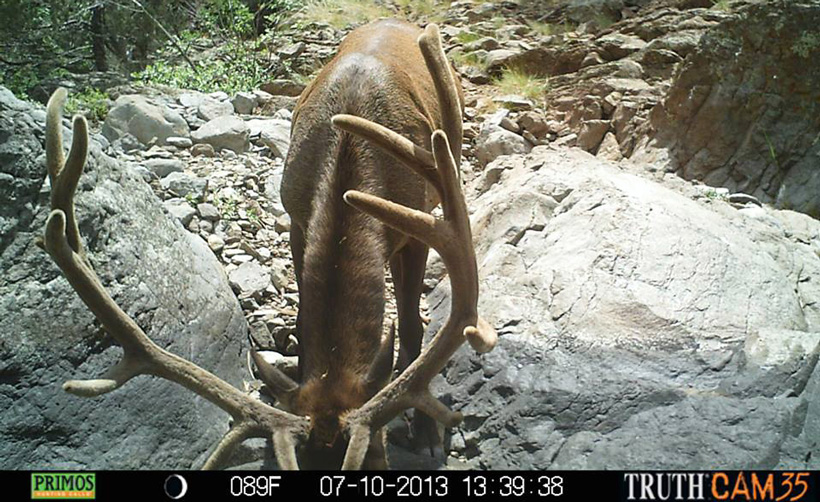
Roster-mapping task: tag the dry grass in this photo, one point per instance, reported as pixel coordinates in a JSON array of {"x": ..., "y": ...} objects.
[
  {"x": 342, "y": 13},
  {"x": 515, "y": 81},
  {"x": 547, "y": 29}
]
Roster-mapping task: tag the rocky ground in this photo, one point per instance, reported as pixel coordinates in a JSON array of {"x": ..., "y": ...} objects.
[{"x": 620, "y": 80}]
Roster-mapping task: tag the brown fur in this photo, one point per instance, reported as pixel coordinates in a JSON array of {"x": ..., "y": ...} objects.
[{"x": 340, "y": 253}]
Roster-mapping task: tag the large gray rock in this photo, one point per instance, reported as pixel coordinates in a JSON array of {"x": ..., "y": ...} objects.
[
  {"x": 273, "y": 133},
  {"x": 164, "y": 277},
  {"x": 143, "y": 119},
  {"x": 224, "y": 133},
  {"x": 638, "y": 328},
  {"x": 210, "y": 109},
  {"x": 494, "y": 141},
  {"x": 744, "y": 110}
]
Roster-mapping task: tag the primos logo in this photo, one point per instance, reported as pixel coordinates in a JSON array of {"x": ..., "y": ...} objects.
[{"x": 63, "y": 485}]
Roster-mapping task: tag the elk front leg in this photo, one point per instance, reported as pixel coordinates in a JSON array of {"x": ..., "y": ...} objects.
[{"x": 408, "y": 267}]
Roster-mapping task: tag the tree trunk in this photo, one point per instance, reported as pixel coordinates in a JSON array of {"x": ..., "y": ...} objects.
[{"x": 98, "y": 37}]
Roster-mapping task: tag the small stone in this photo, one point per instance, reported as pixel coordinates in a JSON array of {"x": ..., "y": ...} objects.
[
  {"x": 179, "y": 142},
  {"x": 180, "y": 209},
  {"x": 193, "y": 225},
  {"x": 261, "y": 336},
  {"x": 534, "y": 123},
  {"x": 568, "y": 140},
  {"x": 203, "y": 149},
  {"x": 282, "y": 224},
  {"x": 282, "y": 87},
  {"x": 495, "y": 141},
  {"x": 508, "y": 124},
  {"x": 184, "y": 185},
  {"x": 224, "y": 133},
  {"x": 611, "y": 102},
  {"x": 216, "y": 243},
  {"x": 241, "y": 258},
  {"x": 208, "y": 211},
  {"x": 743, "y": 199},
  {"x": 592, "y": 133},
  {"x": 163, "y": 167},
  {"x": 279, "y": 274},
  {"x": 250, "y": 278},
  {"x": 514, "y": 102},
  {"x": 244, "y": 102},
  {"x": 283, "y": 114},
  {"x": 609, "y": 149},
  {"x": 485, "y": 43},
  {"x": 292, "y": 51},
  {"x": 591, "y": 59}
]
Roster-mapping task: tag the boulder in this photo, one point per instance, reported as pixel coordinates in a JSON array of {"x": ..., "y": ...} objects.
[
  {"x": 494, "y": 141},
  {"x": 744, "y": 110},
  {"x": 244, "y": 102},
  {"x": 163, "y": 167},
  {"x": 164, "y": 277},
  {"x": 639, "y": 329},
  {"x": 210, "y": 109},
  {"x": 143, "y": 119},
  {"x": 272, "y": 133},
  {"x": 185, "y": 185},
  {"x": 283, "y": 87},
  {"x": 224, "y": 133}
]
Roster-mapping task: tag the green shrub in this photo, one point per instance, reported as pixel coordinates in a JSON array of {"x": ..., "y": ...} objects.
[
  {"x": 235, "y": 68},
  {"x": 91, "y": 102},
  {"x": 806, "y": 44}
]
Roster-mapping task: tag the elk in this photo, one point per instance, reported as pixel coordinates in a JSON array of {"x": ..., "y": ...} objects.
[{"x": 389, "y": 95}]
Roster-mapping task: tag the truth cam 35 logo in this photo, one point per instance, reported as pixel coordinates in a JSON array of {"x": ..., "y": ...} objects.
[{"x": 773, "y": 486}]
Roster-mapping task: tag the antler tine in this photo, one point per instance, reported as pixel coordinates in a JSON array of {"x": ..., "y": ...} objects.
[
  {"x": 446, "y": 90},
  {"x": 141, "y": 355},
  {"x": 65, "y": 174}
]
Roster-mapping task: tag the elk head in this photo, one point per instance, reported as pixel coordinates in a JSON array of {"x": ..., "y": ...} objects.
[{"x": 332, "y": 404}]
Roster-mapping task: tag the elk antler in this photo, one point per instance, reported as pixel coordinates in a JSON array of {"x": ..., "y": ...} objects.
[
  {"x": 450, "y": 236},
  {"x": 252, "y": 418}
]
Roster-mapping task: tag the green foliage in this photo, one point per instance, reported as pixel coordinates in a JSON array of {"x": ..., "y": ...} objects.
[
  {"x": 462, "y": 59},
  {"x": 806, "y": 44},
  {"x": 20, "y": 79},
  {"x": 279, "y": 11},
  {"x": 91, "y": 102},
  {"x": 228, "y": 208},
  {"x": 603, "y": 20},
  {"x": 234, "y": 67},
  {"x": 226, "y": 16},
  {"x": 39, "y": 38},
  {"x": 772, "y": 149},
  {"x": 721, "y": 5},
  {"x": 466, "y": 37}
]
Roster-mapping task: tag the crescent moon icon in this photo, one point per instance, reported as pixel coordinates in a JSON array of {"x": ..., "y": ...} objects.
[{"x": 177, "y": 492}]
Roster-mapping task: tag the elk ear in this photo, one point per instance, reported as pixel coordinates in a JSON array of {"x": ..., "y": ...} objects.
[
  {"x": 281, "y": 385},
  {"x": 382, "y": 367}
]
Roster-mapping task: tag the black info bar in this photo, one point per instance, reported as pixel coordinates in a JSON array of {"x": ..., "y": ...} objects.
[{"x": 623, "y": 486}]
